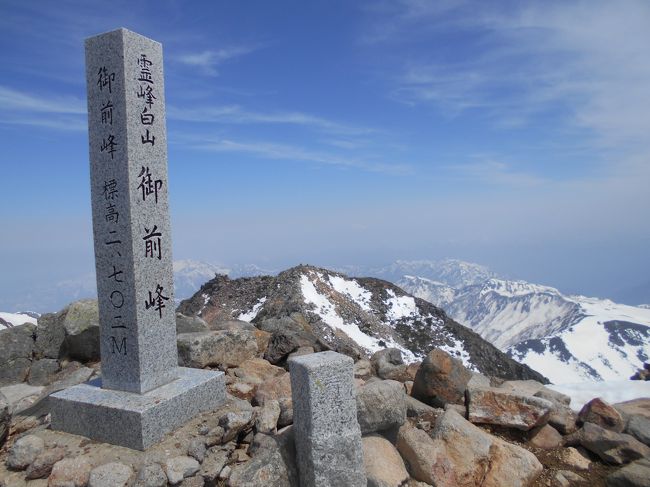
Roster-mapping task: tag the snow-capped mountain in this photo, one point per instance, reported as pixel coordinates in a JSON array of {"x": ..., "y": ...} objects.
[
  {"x": 450, "y": 272},
  {"x": 356, "y": 316},
  {"x": 566, "y": 338},
  {"x": 190, "y": 274}
]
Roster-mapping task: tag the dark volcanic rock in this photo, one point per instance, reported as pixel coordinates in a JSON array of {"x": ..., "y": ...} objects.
[
  {"x": 441, "y": 379},
  {"x": 16, "y": 346}
]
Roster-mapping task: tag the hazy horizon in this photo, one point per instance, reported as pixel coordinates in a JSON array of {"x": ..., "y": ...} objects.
[{"x": 510, "y": 134}]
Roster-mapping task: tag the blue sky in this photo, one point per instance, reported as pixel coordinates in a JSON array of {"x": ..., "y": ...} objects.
[{"x": 513, "y": 134}]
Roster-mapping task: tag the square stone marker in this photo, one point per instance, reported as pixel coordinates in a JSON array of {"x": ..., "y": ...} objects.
[
  {"x": 327, "y": 434},
  {"x": 143, "y": 394}
]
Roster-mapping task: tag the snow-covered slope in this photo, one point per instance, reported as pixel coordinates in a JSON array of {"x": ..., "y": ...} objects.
[
  {"x": 566, "y": 338},
  {"x": 356, "y": 316},
  {"x": 8, "y": 320},
  {"x": 451, "y": 272}
]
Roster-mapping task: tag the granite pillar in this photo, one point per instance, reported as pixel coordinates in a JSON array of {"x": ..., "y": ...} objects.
[
  {"x": 326, "y": 431},
  {"x": 133, "y": 260}
]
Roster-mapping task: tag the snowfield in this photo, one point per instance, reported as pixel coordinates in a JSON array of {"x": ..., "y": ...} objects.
[{"x": 15, "y": 319}]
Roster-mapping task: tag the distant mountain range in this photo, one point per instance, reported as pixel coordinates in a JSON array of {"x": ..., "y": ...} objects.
[{"x": 566, "y": 338}]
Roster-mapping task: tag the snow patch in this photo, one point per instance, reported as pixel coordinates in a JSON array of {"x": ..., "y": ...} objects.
[
  {"x": 16, "y": 319},
  {"x": 353, "y": 290},
  {"x": 400, "y": 307},
  {"x": 252, "y": 313}
]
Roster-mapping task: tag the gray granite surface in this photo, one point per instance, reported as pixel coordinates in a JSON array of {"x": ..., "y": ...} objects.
[
  {"x": 131, "y": 226},
  {"x": 327, "y": 434},
  {"x": 133, "y": 420}
]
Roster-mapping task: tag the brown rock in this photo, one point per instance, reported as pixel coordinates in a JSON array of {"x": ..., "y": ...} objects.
[
  {"x": 500, "y": 407},
  {"x": 545, "y": 437},
  {"x": 440, "y": 379},
  {"x": 42, "y": 465},
  {"x": 279, "y": 389},
  {"x": 601, "y": 413},
  {"x": 460, "y": 454},
  {"x": 574, "y": 459},
  {"x": 70, "y": 472},
  {"x": 384, "y": 466}
]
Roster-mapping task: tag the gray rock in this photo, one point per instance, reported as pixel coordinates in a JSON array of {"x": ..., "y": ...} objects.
[
  {"x": 42, "y": 465},
  {"x": 215, "y": 460},
  {"x": 267, "y": 419},
  {"x": 636, "y": 474},
  {"x": 81, "y": 327},
  {"x": 417, "y": 409},
  {"x": 611, "y": 447},
  {"x": 229, "y": 348},
  {"x": 553, "y": 396},
  {"x": 151, "y": 475},
  {"x": 180, "y": 467},
  {"x": 362, "y": 369},
  {"x": 196, "y": 449},
  {"x": 16, "y": 347},
  {"x": 190, "y": 324},
  {"x": 24, "y": 451},
  {"x": 381, "y": 405},
  {"x": 389, "y": 364},
  {"x": 639, "y": 427},
  {"x": 5, "y": 419},
  {"x": 285, "y": 339},
  {"x": 440, "y": 379},
  {"x": 273, "y": 463},
  {"x": 500, "y": 407},
  {"x": 42, "y": 371},
  {"x": 563, "y": 419},
  {"x": 50, "y": 336},
  {"x": 113, "y": 474},
  {"x": 478, "y": 380},
  {"x": 196, "y": 481},
  {"x": 235, "y": 422}
]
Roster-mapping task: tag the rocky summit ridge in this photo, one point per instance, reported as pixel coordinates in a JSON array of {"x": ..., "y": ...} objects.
[{"x": 312, "y": 306}]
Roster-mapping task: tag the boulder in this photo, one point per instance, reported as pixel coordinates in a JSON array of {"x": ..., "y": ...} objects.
[
  {"x": 545, "y": 437},
  {"x": 190, "y": 324},
  {"x": 441, "y": 379},
  {"x": 151, "y": 475},
  {"x": 277, "y": 388},
  {"x": 636, "y": 416},
  {"x": 273, "y": 463},
  {"x": 196, "y": 481},
  {"x": 611, "y": 447},
  {"x": 498, "y": 406},
  {"x": 636, "y": 474},
  {"x": 196, "y": 449},
  {"x": 603, "y": 414},
  {"x": 227, "y": 348},
  {"x": 639, "y": 427},
  {"x": 5, "y": 419},
  {"x": 41, "y": 467},
  {"x": 81, "y": 329},
  {"x": 424, "y": 412},
  {"x": 256, "y": 371},
  {"x": 42, "y": 370},
  {"x": 178, "y": 468},
  {"x": 389, "y": 364},
  {"x": 24, "y": 451},
  {"x": 50, "y": 336},
  {"x": 234, "y": 422},
  {"x": 563, "y": 419},
  {"x": 70, "y": 472},
  {"x": 16, "y": 347},
  {"x": 114, "y": 474},
  {"x": 381, "y": 405},
  {"x": 459, "y": 453},
  {"x": 383, "y": 463},
  {"x": 284, "y": 342}
]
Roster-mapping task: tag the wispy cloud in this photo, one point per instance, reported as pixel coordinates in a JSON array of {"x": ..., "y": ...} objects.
[
  {"x": 209, "y": 60},
  {"x": 585, "y": 61},
  {"x": 270, "y": 150},
  {"x": 239, "y": 115},
  {"x": 55, "y": 112},
  {"x": 497, "y": 173}
]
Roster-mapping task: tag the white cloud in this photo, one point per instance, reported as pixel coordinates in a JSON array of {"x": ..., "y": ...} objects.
[
  {"x": 20, "y": 101},
  {"x": 270, "y": 150},
  {"x": 209, "y": 60}
]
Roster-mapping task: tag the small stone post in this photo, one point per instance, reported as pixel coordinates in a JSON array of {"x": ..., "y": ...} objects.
[
  {"x": 327, "y": 435},
  {"x": 143, "y": 392}
]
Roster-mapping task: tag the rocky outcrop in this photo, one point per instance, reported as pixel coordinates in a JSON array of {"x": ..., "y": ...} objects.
[
  {"x": 613, "y": 448},
  {"x": 225, "y": 348},
  {"x": 381, "y": 405},
  {"x": 16, "y": 347},
  {"x": 498, "y": 406}
]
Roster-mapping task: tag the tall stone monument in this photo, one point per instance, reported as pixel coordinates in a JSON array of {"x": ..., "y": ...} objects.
[
  {"x": 143, "y": 394},
  {"x": 325, "y": 426}
]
